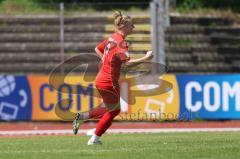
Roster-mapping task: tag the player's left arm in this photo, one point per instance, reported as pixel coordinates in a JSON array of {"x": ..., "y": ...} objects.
[
  {"x": 100, "y": 48},
  {"x": 99, "y": 52}
]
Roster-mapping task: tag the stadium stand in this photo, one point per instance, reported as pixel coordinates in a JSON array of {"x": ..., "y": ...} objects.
[
  {"x": 193, "y": 44},
  {"x": 203, "y": 45}
]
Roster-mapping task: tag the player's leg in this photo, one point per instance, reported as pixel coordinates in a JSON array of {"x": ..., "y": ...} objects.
[
  {"x": 104, "y": 123},
  {"x": 111, "y": 100},
  {"x": 96, "y": 113}
]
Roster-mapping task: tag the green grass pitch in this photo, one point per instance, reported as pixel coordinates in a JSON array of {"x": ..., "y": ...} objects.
[{"x": 211, "y": 145}]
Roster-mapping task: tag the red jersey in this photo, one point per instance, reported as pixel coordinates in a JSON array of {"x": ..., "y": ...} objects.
[{"x": 115, "y": 52}]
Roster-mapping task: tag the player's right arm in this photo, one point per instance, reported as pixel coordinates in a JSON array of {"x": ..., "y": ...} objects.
[{"x": 134, "y": 62}]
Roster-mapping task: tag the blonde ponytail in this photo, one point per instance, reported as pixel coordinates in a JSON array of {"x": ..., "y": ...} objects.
[{"x": 120, "y": 20}]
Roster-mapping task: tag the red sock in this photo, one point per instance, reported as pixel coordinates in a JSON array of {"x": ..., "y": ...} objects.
[
  {"x": 97, "y": 113},
  {"x": 106, "y": 121}
]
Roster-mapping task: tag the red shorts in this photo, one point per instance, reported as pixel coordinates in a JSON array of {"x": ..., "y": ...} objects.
[{"x": 110, "y": 95}]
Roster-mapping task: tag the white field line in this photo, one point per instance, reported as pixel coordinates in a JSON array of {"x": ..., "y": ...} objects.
[{"x": 117, "y": 131}]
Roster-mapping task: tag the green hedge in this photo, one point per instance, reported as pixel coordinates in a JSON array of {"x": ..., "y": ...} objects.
[
  {"x": 100, "y": 5},
  {"x": 214, "y": 4}
]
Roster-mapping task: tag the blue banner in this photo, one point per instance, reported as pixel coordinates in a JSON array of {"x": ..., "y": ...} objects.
[
  {"x": 210, "y": 96},
  {"x": 15, "y": 98},
  {"x": 192, "y": 97}
]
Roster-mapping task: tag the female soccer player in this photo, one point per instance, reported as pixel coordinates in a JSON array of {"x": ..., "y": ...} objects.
[{"x": 113, "y": 52}]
